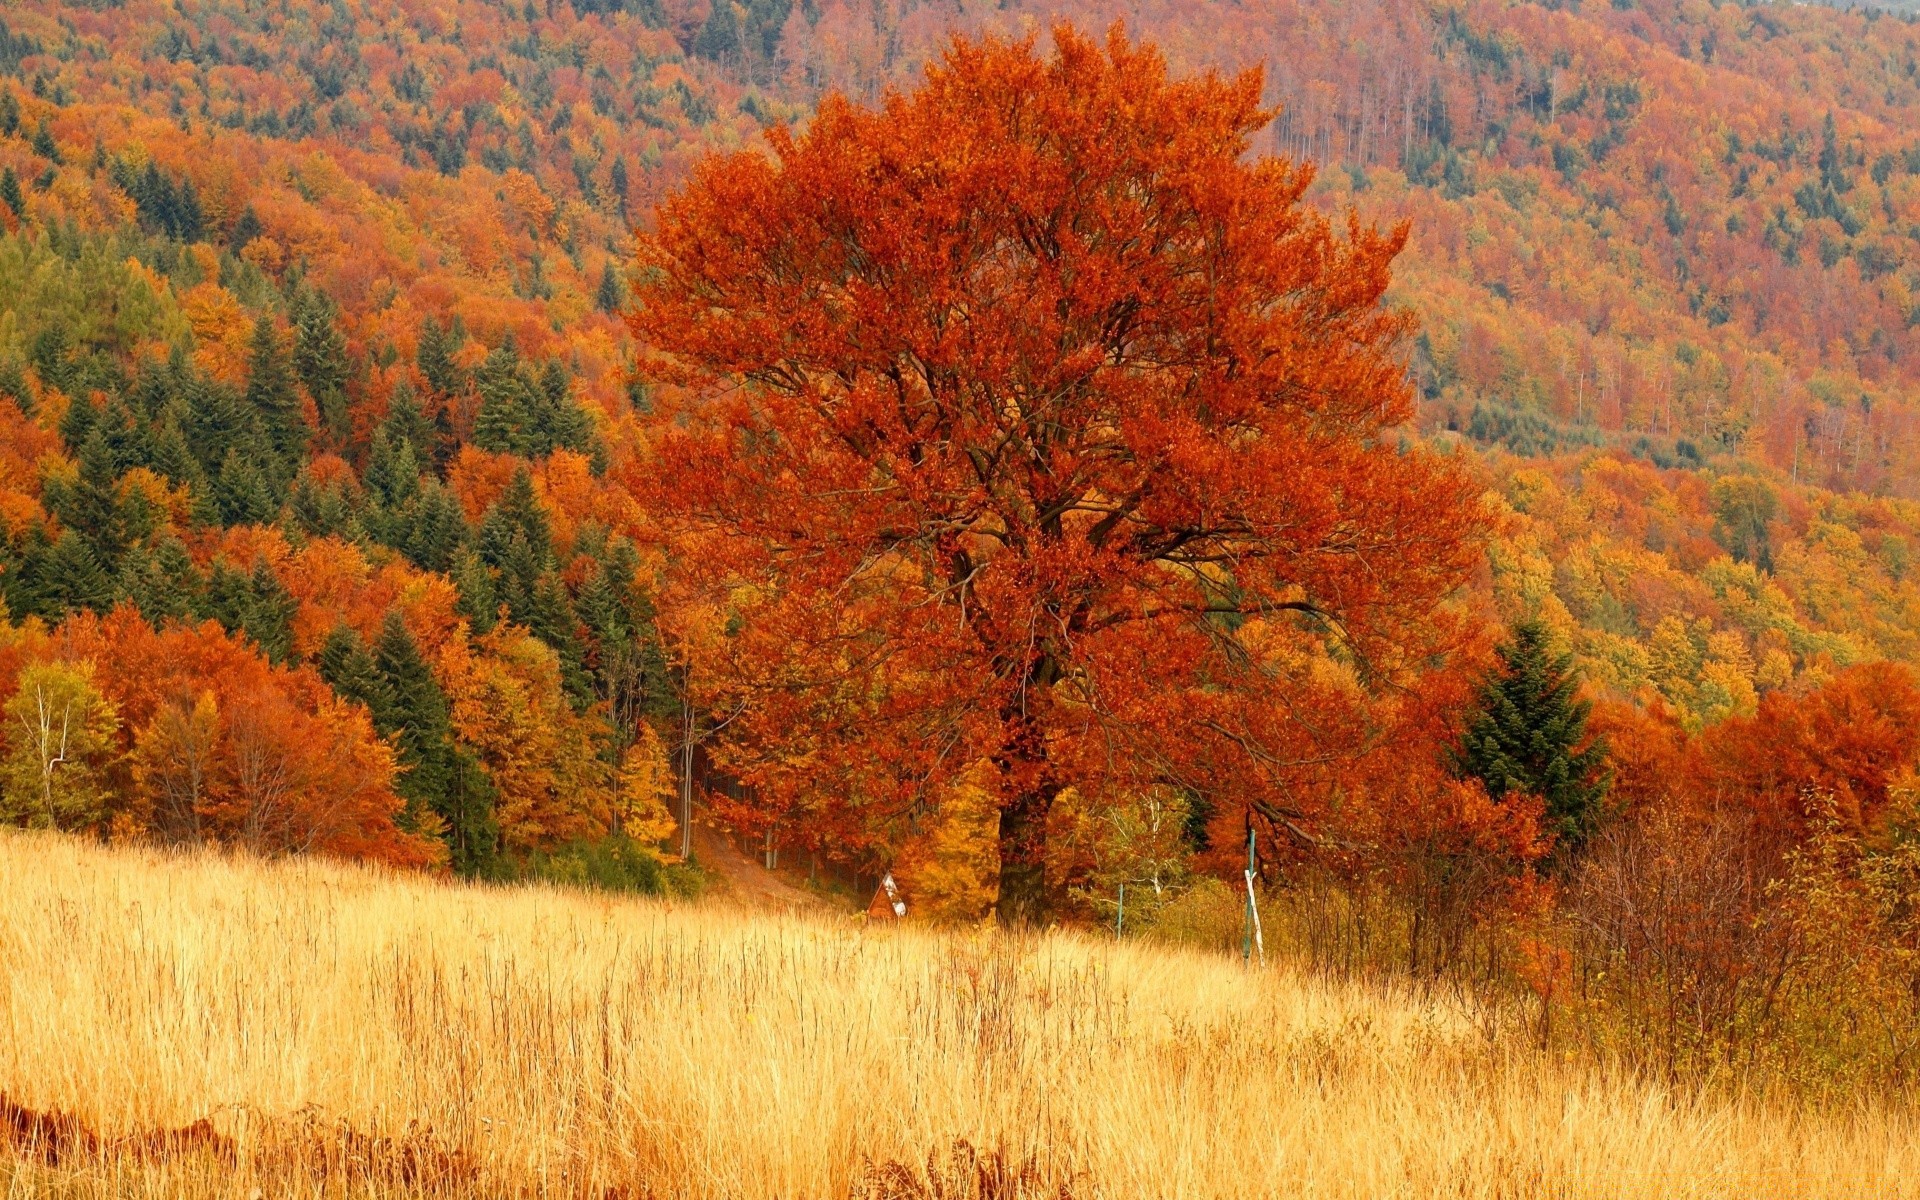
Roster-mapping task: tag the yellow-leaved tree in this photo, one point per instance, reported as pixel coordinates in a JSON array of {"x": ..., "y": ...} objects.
[{"x": 60, "y": 740}]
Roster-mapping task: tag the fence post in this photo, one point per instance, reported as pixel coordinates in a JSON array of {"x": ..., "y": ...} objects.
[
  {"x": 1246, "y": 948},
  {"x": 1120, "y": 914}
]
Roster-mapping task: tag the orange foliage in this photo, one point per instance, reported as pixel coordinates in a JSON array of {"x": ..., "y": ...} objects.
[
  {"x": 287, "y": 766},
  {"x": 507, "y": 704},
  {"x": 1848, "y": 742},
  {"x": 1032, "y": 354}
]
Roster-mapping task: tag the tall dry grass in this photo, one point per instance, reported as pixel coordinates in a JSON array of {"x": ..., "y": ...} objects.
[{"x": 348, "y": 1031}]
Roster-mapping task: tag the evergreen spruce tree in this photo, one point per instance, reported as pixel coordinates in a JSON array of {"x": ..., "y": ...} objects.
[
  {"x": 405, "y": 422},
  {"x": 320, "y": 360},
  {"x": 1530, "y": 736},
  {"x": 516, "y": 543},
  {"x": 270, "y": 616},
  {"x": 611, "y": 295},
  {"x": 418, "y": 714},
  {"x": 52, "y": 357},
  {"x": 241, "y": 493},
  {"x": 254, "y": 605},
  {"x": 214, "y": 423},
  {"x": 275, "y": 403},
  {"x": 563, "y": 424},
  {"x": 168, "y": 455},
  {"x": 392, "y": 477},
  {"x": 325, "y": 509},
  {"x": 719, "y": 39},
  {"x": 163, "y": 583},
  {"x": 20, "y": 582},
  {"x": 127, "y": 439},
  {"x": 347, "y": 667},
  {"x": 91, "y": 506},
  {"x": 435, "y": 528},
  {"x": 78, "y": 420},
  {"x": 436, "y": 361},
  {"x": 617, "y": 181},
  {"x": 479, "y": 601},
  {"x": 551, "y": 618},
  {"x": 70, "y": 577},
  {"x": 501, "y": 425},
  {"x": 44, "y": 145},
  {"x": 246, "y": 227},
  {"x": 10, "y": 193}
]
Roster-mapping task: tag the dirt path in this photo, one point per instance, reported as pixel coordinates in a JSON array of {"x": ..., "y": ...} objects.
[{"x": 748, "y": 881}]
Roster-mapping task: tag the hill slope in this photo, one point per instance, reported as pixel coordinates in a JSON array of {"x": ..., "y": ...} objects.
[{"x": 387, "y": 1033}]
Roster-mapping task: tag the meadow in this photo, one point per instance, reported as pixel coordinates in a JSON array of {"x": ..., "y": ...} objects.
[{"x": 204, "y": 1025}]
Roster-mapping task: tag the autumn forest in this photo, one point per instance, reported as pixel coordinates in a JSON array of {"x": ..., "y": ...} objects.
[{"x": 1448, "y": 472}]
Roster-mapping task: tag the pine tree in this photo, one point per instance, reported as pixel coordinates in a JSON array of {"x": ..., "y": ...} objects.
[
  {"x": 610, "y": 296},
  {"x": 435, "y": 528},
  {"x": 163, "y": 583},
  {"x": 10, "y": 193},
  {"x": 71, "y": 577},
  {"x": 1530, "y": 736},
  {"x": 320, "y": 360},
  {"x": 719, "y": 38},
  {"x": 214, "y": 424},
  {"x": 501, "y": 425},
  {"x": 91, "y": 505},
  {"x": 405, "y": 422},
  {"x": 271, "y": 396},
  {"x": 347, "y": 667},
  {"x": 479, "y": 601},
  {"x": 435, "y": 359},
  {"x": 241, "y": 494},
  {"x": 437, "y": 777}
]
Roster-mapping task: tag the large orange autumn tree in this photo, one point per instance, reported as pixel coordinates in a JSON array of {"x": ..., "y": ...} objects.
[{"x": 1026, "y": 430}]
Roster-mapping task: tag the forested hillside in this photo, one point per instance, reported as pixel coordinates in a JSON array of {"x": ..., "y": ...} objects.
[{"x": 322, "y": 439}]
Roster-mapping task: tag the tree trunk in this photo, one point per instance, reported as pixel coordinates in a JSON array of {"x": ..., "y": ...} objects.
[{"x": 1023, "y": 862}]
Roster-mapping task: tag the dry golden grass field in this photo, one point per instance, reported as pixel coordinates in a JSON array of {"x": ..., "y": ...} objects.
[{"x": 205, "y": 1026}]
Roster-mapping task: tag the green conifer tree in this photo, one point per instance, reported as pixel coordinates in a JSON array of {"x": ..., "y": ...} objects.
[
  {"x": 214, "y": 423},
  {"x": 241, "y": 493},
  {"x": 254, "y": 605},
  {"x": 506, "y": 401},
  {"x": 91, "y": 506},
  {"x": 1529, "y": 736},
  {"x": 163, "y": 583},
  {"x": 435, "y": 529},
  {"x": 405, "y": 422},
  {"x": 436, "y": 361},
  {"x": 271, "y": 396},
  {"x": 347, "y": 667},
  {"x": 479, "y": 601},
  {"x": 719, "y": 39},
  {"x": 10, "y": 194},
  {"x": 72, "y": 577},
  {"x": 611, "y": 295},
  {"x": 320, "y": 361}
]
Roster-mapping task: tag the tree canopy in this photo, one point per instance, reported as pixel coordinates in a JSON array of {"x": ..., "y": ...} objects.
[{"x": 1028, "y": 420}]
